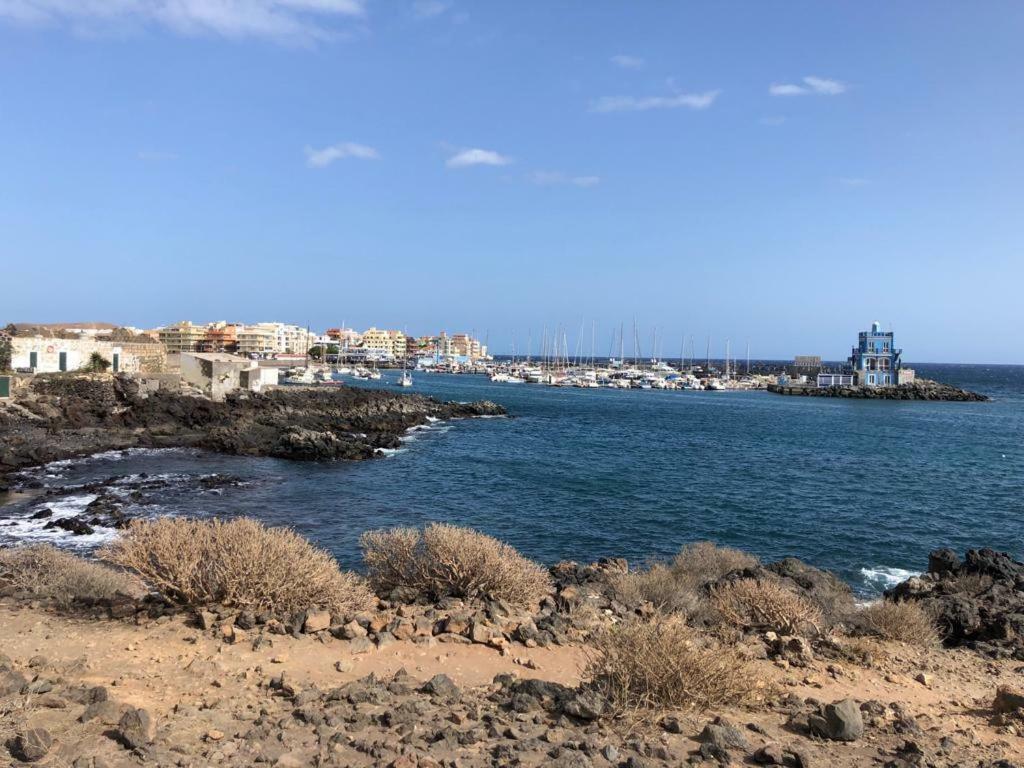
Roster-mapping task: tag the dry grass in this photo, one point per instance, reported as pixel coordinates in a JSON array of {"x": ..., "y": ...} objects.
[
  {"x": 240, "y": 562},
  {"x": 903, "y": 622},
  {"x": 665, "y": 664},
  {"x": 47, "y": 572},
  {"x": 764, "y": 604},
  {"x": 448, "y": 561},
  {"x": 675, "y": 586},
  {"x": 702, "y": 562}
]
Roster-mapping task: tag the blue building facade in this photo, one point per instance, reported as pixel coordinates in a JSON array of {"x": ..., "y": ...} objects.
[{"x": 875, "y": 359}]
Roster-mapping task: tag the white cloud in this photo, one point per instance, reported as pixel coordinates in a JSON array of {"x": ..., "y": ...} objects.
[
  {"x": 294, "y": 21},
  {"x": 627, "y": 62},
  {"x": 428, "y": 9},
  {"x": 557, "y": 178},
  {"x": 642, "y": 104},
  {"x": 821, "y": 86},
  {"x": 469, "y": 157},
  {"x": 321, "y": 158}
]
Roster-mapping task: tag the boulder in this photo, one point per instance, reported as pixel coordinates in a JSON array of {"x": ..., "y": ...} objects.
[
  {"x": 1008, "y": 700},
  {"x": 136, "y": 729},
  {"x": 33, "y": 745},
  {"x": 442, "y": 687},
  {"x": 12, "y": 682},
  {"x": 942, "y": 561},
  {"x": 724, "y": 735},
  {"x": 839, "y": 721},
  {"x": 316, "y": 621}
]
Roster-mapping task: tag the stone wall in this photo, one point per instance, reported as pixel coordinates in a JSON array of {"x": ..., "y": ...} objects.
[{"x": 134, "y": 357}]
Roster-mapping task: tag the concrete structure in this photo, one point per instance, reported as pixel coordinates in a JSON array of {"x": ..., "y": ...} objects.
[
  {"x": 875, "y": 360},
  {"x": 40, "y": 354},
  {"x": 905, "y": 375},
  {"x": 218, "y": 374}
]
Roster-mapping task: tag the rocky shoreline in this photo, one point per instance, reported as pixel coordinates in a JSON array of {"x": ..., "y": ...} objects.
[
  {"x": 71, "y": 416},
  {"x": 922, "y": 389}
]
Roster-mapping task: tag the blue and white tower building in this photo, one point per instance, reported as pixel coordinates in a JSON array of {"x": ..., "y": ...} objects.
[{"x": 875, "y": 359}]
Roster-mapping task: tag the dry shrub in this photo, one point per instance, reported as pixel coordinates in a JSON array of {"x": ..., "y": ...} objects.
[
  {"x": 240, "y": 562},
  {"x": 902, "y": 622},
  {"x": 702, "y": 562},
  {"x": 45, "y": 571},
  {"x": 657, "y": 585},
  {"x": 674, "y": 586},
  {"x": 448, "y": 561},
  {"x": 665, "y": 664},
  {"x": 764, "y": 604}
]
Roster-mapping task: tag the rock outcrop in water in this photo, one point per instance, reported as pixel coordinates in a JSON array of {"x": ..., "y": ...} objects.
[
  {"x": 921, "y": 389},
  {"x": 979, "y": 601},
  {"x": 67, "y": 416}
]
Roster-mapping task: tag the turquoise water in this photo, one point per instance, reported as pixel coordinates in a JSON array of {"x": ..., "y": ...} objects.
[{"x": 863, "y": 488}]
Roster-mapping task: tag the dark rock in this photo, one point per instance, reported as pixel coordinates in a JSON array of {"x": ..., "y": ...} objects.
[
  {"x": 770, "y": 754},
  {"x": 33, "y": 745},
  {"x": 12, "y": 682},
  {"x": 722, "y": 733},
  {"x": 985, "y": 611},
  {"x": 442, "y": 687},
  {"x": 73, "y": 525},
  {"x": 943, "y": 561},
  {"x": 136, "y": 729},
  {"x": 586, "y": 704},
  {"x": 839, "y": 721}
]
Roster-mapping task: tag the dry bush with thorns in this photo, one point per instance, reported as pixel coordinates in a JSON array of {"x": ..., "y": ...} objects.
[
  {"x": 902, "y": 622},
  {"x": 703, "y": 562},
  {"x": 240, "y": 562},
  {"x": 665, "y": 664},
  {"x": 448, "y": 561},
  {"x": 763, "y": 604},
  {"x": 45, "y": 571},
  {"x": 675, "y": 586}
]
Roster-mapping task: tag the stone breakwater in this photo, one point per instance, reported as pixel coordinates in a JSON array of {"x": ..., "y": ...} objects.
[
  {"x": 922, "y": 389},
  {"x": 70, "y": 416}
]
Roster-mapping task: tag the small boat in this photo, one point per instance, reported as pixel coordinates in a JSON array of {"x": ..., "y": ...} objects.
[{"x": 405, "y": 380}]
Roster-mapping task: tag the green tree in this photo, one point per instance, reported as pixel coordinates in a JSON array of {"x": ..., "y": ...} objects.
[{"x": 97, "y": 363}]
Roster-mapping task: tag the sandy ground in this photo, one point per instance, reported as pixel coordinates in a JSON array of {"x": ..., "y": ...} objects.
[{"x": 196, "y": 684}]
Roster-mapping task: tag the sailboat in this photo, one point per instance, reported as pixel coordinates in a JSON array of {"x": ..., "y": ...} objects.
[{"x": 405, "y": 380}]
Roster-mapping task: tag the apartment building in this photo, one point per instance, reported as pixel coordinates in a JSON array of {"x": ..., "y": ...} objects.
[
  {"x": 185, "y": 336},
  {"x": 390, "y": 343}
]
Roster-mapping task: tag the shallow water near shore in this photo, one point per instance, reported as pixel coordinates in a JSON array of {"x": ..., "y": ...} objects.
[{"x": 863, "y": 488}]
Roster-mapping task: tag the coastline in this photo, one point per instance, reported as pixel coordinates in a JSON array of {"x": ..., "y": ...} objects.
[{"x": 69, "y": 417}]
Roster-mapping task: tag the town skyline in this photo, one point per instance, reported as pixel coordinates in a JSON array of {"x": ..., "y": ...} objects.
[{"x": 761, "y": 176}]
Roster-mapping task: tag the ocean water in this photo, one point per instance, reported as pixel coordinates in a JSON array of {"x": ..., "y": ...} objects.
[{"x": 866, "y": 489}]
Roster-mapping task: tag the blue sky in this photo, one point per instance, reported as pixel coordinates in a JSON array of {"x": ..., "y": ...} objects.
[{"x": 781, "y": 173}]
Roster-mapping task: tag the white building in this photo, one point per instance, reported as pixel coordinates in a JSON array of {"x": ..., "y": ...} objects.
[{"x": 218, "y": 374}]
